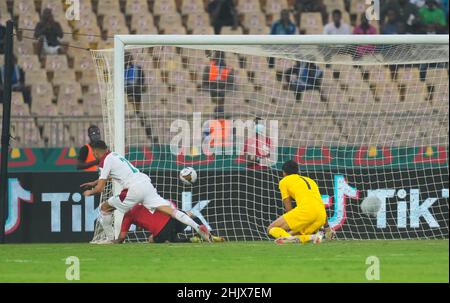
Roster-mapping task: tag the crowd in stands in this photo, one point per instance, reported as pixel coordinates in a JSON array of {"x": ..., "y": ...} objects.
[{"x": 55, "y": 77}]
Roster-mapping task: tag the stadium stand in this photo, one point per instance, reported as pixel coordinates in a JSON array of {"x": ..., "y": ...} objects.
[{"x": 64, "y": 86}]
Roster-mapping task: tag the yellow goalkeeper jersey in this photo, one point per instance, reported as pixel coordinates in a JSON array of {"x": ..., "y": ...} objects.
[{"x": 302, "y": 189}]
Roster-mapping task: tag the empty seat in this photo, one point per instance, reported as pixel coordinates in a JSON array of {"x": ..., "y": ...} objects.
[
  {"x": 56, "y": 62},
  {"x": 259, "y": 30},
  {"x": 106, "y": 7},
  {"x": 436, "y": 76},
  {"x": 164, "y": 7},
  {"x": 408, "y": 75},
  {"x": 168, "y": 20},
  {"x": 28, "y": 21},
  {"x": 203, "y": 30},
  {"x": 36, "y": 76},
  {"x": 192, "y": 6},
  {"x": 228, "y": 30},
  {"x": 311, "y": 23},
  {"x": 358, "y": 7},
  {"x": 174, "y": 30},
  {"x": 142, "y": 20},
  {"x": 24, "y": 47},
  {"x": 29, "y": 62},
  {"x": 248, "y": 6},
  {"x": 197, "y": 20},
  {"x": 115, "y": 23},
  {"x": 133, "y": 7},
  {"x": 23, "y": 7},
  {"x": 69, "y": 90},
  {"x": 63, "y": 76},
  {"x": 255, "y": 19}
]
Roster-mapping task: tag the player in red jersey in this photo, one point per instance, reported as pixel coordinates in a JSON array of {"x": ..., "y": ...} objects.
[{"x": 161, "y": 226}]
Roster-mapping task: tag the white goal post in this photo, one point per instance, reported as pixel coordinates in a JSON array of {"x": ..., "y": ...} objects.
[{"x": 372, "y": 122}]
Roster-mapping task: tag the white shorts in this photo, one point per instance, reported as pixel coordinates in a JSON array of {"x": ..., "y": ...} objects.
[{"x": 142, "y": 192}]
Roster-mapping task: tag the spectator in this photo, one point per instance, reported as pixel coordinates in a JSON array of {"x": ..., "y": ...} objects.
[
  {"x": 86, "y": 159},
  {"x": 217, "y": 78},
  {"x": 337, "y": 27},
  {"x": 48, "y": 31},
  {"x": 134, "y": 81},
  {"x": 408, "y": 14},
  {"x": 310, "y": 6},
  {"x": 223, "y": 13},
  {"x": 433, "y": 18},
  {"x": 17, "y": 82},
  {"x": 284, "y": 26},
  {"x": 303, "y": 76},
  {"x": 364, "y": 28},
  {"x": 391, "y": 25}
]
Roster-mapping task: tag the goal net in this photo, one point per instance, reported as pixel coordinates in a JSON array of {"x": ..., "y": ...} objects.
[{"x": 361, "y": 115}]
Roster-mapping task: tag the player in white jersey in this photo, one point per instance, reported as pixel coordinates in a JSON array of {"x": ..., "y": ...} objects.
[{"x": 136, "y": 188}]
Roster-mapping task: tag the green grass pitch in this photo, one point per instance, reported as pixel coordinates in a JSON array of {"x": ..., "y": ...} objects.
[{"x": 338, "y": 261}]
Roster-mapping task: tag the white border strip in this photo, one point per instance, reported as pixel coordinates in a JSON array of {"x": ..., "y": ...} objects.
[{"x": 279, "y": 39}]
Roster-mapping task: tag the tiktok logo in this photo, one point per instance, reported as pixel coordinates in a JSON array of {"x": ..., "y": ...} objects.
[
  {"x": 16, "y": 194},
  {"x": 186, "y": 205}
]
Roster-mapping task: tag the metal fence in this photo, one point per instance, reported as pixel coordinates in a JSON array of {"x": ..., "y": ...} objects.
[{"x": 51, "y": 131}]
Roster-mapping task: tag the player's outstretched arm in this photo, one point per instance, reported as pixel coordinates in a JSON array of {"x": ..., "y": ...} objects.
[
  {"x": 89, "y": 184},
  {"x": 98, "y": 189}
]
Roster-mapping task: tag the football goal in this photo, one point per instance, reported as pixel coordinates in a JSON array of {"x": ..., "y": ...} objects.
[{"x": 362, "y": 115}]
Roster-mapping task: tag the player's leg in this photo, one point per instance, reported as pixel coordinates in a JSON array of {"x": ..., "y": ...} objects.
[
  {"x": 311, "y": 228},
  {"x": 279, "y": 228},
  {"x": 153, "y": 201},
  {"x": 185, "y": 219},
  {"x": 105, "y": 219}
]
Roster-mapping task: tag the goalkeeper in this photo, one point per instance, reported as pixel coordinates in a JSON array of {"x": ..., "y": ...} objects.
[{"x": 303, "y": 223}]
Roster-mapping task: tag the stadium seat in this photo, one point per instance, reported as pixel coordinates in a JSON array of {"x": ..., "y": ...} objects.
[
  {"x": 274, "y": 7},
  {"x": 164, "y": 7},
  {"x": 228, "y": 30},
  {"x": 248, "y": 6},
  {"x": 260, "y": 30},
  {"x": 36, "y": 76},
  {"x": 204, "y": 30},
  {"x": 23, "y": 7},
  {"x": 142, "y": 22},
  {"x": 358, "y": 7},
  {"x": 254, "y": 19},
  {"x": 63, "y": 76},
  {"x": 174, "y": 30},
  {"x": 108, "y": 7},
  {"x": 115, "y": 23},
  {"x": 332, "y": 5},
  {"x": 28, "y": 21},
  {"x": 29, "y": 62},
  {"x": 56, "y": 62},
  {"x": 192, "y": 7},
  {"x": 56, "y": 7},
  {"x": 69, "y": 90},
  {"x": 87, "y": 20},
  {"x": 197, "y": 21},
  {"x": 136, "y": 7},
  {"x": 169, "y": 20},
  {"x": 311, "y": 23},
  {"x": 24, "y": 47}
]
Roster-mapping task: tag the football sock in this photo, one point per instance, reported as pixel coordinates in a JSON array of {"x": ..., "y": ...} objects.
[
  {"x": 185, "y": 219},
  {"x": 278, "y": 232}
]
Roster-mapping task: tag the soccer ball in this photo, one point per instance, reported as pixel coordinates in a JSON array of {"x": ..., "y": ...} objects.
[
  {"x": 188, "y": 175},
  {"x": 371, "y": 205}
]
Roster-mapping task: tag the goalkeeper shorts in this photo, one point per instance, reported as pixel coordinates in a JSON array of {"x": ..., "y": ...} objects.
[
  {"x": 142, "y": 192},
  {"x": 305, "y": 221}
]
